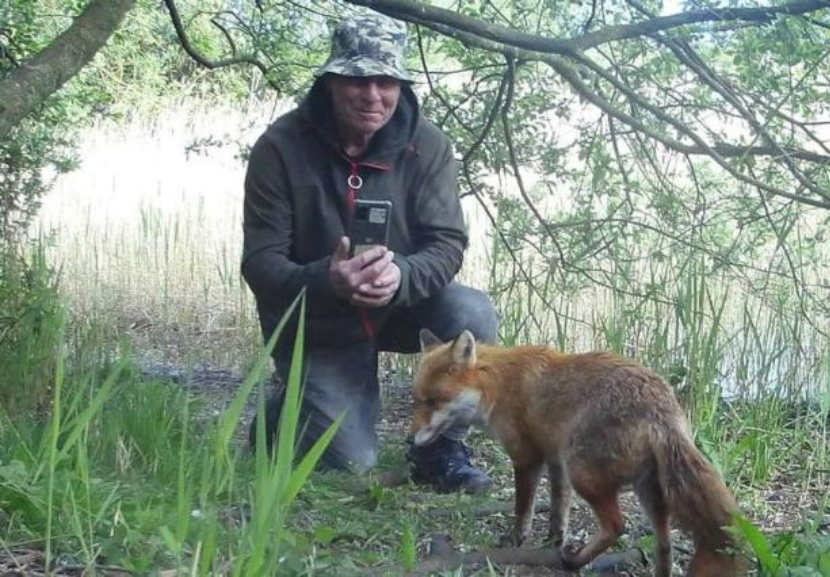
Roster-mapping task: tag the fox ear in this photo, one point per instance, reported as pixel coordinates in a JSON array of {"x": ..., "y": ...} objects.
[
  {"x": 428, "y": 340},
  {"x": 464, "y": 350}
]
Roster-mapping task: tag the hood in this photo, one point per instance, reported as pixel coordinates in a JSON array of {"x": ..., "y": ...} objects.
[{"x": 387, "y": 143}]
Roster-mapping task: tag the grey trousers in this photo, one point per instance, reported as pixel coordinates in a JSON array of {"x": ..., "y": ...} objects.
[{"x": 344, "y": 379}]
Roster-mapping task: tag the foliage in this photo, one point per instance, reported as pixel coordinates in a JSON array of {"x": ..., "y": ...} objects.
[
  {"x": 31, "y": 324},
  {"x": 38, "y": 143},
  {"x": 680, "y": 150},
  {"x": 26, "y": 156},
  {"x": 789, "y": 554},
  {"x": 586, "y": 183}
]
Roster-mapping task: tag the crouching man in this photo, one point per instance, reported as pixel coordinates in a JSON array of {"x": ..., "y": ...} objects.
[{"x": 359, "y": 133}]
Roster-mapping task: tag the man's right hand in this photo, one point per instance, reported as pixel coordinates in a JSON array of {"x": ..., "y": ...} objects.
[{"x": 347, "y": 275}]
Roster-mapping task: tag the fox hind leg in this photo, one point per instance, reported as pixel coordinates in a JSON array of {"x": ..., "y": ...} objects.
[
  {"x": 653, "y": 500},
  {"x": 601, "y": 495},
  {"x": 611, "y": 524}
]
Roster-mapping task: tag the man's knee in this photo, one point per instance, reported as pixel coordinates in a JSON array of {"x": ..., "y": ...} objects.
[
  {"x": 346, "y": 391},
  {"x": 348, "y": 452},
  {"x": 354, "y": 445},
  {"x": 470, "y": 309}
]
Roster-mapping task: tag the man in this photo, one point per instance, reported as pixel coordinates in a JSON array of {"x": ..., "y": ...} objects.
[{"x": 359, "y": 134}]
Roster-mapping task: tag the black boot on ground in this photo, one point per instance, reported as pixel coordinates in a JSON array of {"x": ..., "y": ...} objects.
[{"x": 445, "y": 464}]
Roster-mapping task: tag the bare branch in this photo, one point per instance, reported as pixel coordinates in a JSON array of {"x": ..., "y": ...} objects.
[
  {"x": 467, "y": 172},
  {"x": 762, "y": 14},
  {"x": 225, "y": 33},
  {"x": 590, "y": 20},
  {"x": 514, "y": 162},
  {"x": 5, "y": 53},
  {"x": 700, "y": 146},
  {"x": 326, "y": 15}
]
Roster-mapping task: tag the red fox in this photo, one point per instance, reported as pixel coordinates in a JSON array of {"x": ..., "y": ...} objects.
[{"x": 600, "y": 423}]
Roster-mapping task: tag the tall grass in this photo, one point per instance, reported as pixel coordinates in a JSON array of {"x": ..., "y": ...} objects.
[
  {"x": 30, "y": 325},
  {"x": 149, "y": 234},
  {"x": 91, "y": 482}
]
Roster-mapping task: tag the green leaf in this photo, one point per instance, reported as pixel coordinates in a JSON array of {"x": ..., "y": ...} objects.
[
  {"x": 824, "y": 563},
  {"x": 324, "y": 534},
  {"x": 170, "y": 540},
  {"x": 759, "y": 545},
  {"x": 408, "y": 553}
]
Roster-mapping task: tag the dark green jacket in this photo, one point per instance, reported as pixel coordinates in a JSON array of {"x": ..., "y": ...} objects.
[{"x": 296, "y": 212}]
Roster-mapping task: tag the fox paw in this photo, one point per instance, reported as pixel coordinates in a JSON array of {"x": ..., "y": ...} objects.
[
  {"x": 570, "y": 557},
  {"x": 512, "y": 539}
]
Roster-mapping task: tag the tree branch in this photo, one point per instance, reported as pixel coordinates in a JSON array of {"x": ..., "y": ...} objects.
[
  {"x": 5, "y": 53},
  {"x": 709, "y": 77},
  {"x": 413, "y": 11},
  {"x": 762, "y": 14},
  {"x": 699, "y": 147},
  {"x": 514, "y": 162},
  {"x": 494, "y": 43},
  {"x": 27, "y": 87},
  {"x": 205, "y": 61}
]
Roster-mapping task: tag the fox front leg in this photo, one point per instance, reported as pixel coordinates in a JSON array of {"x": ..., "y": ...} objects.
[
  {"x": 560, "y": 503},
  {"x": 527, "y": 480}
]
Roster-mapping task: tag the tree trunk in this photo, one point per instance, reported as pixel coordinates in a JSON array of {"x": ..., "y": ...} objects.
[{"x": 28, "y": 87}]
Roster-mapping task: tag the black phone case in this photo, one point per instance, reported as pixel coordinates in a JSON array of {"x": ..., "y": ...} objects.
[{"x": 370, "y": 225}]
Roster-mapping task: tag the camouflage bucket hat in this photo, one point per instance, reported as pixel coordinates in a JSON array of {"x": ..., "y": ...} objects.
[{"x": 368, "y": 44}]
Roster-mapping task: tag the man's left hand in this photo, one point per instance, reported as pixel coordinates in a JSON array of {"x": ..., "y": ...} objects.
[{"x": 380, "y": 292}]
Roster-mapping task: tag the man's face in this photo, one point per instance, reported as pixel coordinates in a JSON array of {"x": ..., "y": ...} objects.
[{"x": 362, "y": 106}]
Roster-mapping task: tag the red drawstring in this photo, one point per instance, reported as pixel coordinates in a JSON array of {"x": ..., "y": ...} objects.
[
  {"x": 351, "y": 193},
  {"x": 354, "y": 182}
]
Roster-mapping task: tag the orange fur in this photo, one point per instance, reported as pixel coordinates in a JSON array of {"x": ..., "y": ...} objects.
[{"x": 598, "y": 423}]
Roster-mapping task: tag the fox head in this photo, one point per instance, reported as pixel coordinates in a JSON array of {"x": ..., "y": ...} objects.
[{"x": 444, "y": 388}]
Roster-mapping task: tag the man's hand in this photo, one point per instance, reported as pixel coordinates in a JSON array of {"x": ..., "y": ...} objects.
[
  {"x": 367, "y": 280},
  {"x": 382, "y": 290}
]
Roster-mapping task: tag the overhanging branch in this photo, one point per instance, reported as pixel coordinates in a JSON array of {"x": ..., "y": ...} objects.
[
  {"x": 494, "y": 38},
  {"x": 413, "y": 11}
]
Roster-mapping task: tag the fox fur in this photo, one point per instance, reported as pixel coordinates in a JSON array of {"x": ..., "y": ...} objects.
[{"x": 598, "y": 423}]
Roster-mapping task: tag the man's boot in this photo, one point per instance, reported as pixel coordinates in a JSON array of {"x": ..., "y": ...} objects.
[{"x": 445, "y": 464}]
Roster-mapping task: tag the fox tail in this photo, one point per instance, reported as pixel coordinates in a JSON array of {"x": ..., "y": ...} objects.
[{"x": 702, "y": 504}]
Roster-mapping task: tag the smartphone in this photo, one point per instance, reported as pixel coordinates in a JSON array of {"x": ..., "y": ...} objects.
[{"x": 370, "y": 225}]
